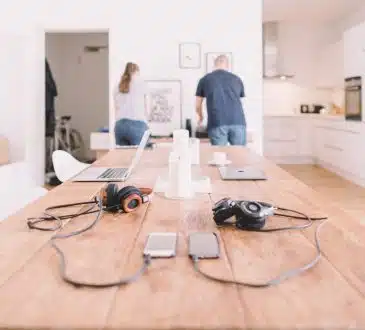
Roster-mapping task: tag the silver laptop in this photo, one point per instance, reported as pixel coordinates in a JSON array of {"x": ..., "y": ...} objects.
[
  {"x": 109, "y": 174},
  {"x": 242, "y": 173}
]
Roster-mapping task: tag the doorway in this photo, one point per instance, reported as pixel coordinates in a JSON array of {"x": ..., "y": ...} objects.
[{"x": 79, "y": 65}]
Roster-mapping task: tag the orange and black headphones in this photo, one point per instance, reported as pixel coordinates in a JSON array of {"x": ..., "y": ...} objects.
[
  {"x": 126, "y": 199},
  {"x": 110, "y": 199}
]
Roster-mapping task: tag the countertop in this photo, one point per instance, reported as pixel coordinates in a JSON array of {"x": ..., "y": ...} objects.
[{"x": 309, "y": 115}]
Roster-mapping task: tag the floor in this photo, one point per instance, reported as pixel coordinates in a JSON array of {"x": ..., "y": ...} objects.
[{"x": 340, "y": 190}]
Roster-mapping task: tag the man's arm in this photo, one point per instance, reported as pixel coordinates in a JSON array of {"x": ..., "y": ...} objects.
[
  {"x": 199, "y": 109},
  {"x": 199, "y": 101}
]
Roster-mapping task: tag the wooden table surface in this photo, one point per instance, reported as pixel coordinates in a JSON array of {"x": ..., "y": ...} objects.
[{"x": 171, "y": 295}]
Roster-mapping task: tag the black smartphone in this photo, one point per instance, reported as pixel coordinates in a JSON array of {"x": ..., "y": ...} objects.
[
  {"x": 204, "y": 245},
  {"x": 161, "y": 245}
]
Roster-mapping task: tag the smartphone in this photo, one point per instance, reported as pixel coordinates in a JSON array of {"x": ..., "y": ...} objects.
[
  {"x": 204, "y": 245},
  {"x": 161, "y": 245}
]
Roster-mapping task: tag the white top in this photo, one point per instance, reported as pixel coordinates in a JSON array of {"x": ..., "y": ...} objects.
[{"x": 131, "y": 105}]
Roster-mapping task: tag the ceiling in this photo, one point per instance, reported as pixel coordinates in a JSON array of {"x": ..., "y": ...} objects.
[{"x": 314, "y": 10}]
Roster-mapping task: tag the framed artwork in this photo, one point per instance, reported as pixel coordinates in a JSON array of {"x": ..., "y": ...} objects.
[
  {"x": 210, "y": 58},
  {"x": 164, "y": 106},
  {"x": 189, "y": 55}
]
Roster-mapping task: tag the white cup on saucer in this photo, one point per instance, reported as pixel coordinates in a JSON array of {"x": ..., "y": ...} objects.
[{"x": 219, "y": 159}]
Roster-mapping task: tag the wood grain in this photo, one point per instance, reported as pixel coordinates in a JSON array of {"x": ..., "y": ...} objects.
[{"x": 171, "y": 295}]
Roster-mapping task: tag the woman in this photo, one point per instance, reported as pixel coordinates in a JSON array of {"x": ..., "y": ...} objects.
[{"x": 131, "y": 107}]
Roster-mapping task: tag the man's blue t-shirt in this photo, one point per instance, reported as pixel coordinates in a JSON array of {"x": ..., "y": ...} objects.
[{"x": 223, "y": 91}]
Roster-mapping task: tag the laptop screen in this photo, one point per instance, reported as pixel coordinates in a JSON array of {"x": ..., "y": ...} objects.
[{"x": 139, "y": 151}]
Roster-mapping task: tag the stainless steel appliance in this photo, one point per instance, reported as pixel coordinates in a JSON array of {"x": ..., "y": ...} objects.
[{"x": 353, "y": 104}]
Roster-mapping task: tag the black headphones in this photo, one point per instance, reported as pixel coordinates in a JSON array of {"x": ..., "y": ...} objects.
[
  {"x": 249, "y": 215},
  {"x": 126, "y": 199}
]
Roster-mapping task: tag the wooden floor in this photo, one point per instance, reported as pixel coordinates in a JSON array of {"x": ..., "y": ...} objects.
[{"x": 344, "y": 193}]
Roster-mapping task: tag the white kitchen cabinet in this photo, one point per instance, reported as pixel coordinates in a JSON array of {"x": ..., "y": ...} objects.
[
  {"x": 287, "y": 140},
  {"x": 354, "y": 51},
  {"x": 280, "y": 137},
  {"x": 335, "y": 144},
  {"x": 330, "y": 66},
  {"x": 338, "y": 150}
]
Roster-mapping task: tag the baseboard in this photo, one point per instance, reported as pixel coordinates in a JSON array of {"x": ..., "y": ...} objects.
[{"x": 349, "y": 176}]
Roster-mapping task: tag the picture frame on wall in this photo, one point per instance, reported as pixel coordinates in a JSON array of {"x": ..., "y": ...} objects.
[
  {"x": 189, "y": 55},
  {"x": 164, "y": 106},
  {"x": 210, "y": 58}
]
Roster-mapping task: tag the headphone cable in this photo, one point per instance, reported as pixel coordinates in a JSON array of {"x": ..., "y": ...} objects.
[
  {"x": 63, "y": 264},
  {"x": 285, "y": 275}
]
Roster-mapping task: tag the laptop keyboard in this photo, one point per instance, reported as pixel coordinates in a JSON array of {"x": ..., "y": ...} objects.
[{"x": 113, "y": 173}]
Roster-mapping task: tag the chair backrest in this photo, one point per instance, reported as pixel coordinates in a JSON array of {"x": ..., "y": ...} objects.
[{"x": 66, "y": 166}]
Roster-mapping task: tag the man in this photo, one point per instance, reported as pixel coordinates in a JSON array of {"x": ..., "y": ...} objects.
[{"x": 223, "y": 92}]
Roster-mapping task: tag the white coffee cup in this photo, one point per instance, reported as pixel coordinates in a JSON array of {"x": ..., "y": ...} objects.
[{"x": 219, "y": 158}]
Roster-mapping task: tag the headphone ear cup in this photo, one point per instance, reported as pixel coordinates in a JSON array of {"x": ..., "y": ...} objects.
[
  {"x": 251, "y": 217},
  {"x": 129, "y": 198},
  {"x": 112, "y": 201}
]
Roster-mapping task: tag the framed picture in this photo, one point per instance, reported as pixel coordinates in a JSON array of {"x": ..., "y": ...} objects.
[
  {"x": 210, "y": 58},
  {"x": 189, "y": 55},
  {"x": 164, "y": 106}
]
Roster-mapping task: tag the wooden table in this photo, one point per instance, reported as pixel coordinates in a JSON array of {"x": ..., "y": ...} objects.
[{"x": 171, "y": 295}]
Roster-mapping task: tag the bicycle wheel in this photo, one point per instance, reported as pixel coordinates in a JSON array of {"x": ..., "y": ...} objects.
[{"x": 77, "y": 143}]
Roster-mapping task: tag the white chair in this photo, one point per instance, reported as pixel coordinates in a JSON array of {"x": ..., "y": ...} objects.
[{"x": 66, "y": 166}]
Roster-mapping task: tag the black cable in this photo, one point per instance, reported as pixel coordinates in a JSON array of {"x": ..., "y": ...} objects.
[
  {"x": 277, "y": 280},
  {"x": 32, "y": 222},
  {"x": 308, "y": 220},
  {"x": 51, "y": 217},
  {"x": 123, "y": 281},
  {"x": 300, "y": 216}
]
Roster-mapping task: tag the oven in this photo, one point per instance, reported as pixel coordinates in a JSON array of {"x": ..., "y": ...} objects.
[{"x": 353, "y": 98}]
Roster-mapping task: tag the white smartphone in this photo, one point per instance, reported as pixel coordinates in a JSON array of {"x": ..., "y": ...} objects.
[{"x": 161, "y": 245}]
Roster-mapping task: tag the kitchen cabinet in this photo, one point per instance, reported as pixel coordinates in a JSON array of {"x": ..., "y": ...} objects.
[
  {"x": 333, "y": 143},
  {"x": 330, "y": 66},
  {"x": 354, "y": 51},
  {"x": 286, "y": 140},
  {"x": 280, "y": 136},
  {"x": 337, "y": 147}
]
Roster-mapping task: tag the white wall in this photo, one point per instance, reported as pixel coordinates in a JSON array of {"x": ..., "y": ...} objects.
[
  {"x": 82, "y": 80},
  {"x": 13, "y": 109},
  {"x": 285, "y": 97},
  {"x": 147, "y": 32},
  {"x": 357, "y": 17},
  {"x": 300, "y": 43}
]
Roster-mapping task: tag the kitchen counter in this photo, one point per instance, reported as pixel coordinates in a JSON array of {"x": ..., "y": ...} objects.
[
  {"x": 328, "y": 140},
  {"x": 309, "y": 115}
]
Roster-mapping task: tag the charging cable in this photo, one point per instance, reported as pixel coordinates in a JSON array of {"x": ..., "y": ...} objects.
[
  {"x": 48, "y": 216},
  {"x": 284, "y": 276}
]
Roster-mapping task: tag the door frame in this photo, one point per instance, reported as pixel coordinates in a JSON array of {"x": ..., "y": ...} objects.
[{"x": 35, "y": 143}]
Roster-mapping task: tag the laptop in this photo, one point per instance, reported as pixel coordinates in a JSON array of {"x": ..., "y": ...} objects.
[
  {"x": 242, "y": 173},
  {"x": 109, "y": 174}
]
